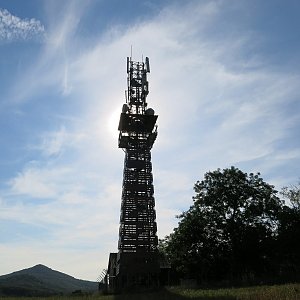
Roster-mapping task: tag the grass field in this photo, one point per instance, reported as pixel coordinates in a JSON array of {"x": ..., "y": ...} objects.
[{"x": 276, "y": 292}]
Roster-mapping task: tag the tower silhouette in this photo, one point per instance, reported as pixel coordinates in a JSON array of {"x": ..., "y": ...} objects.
[{"x": 136, "y": 264}]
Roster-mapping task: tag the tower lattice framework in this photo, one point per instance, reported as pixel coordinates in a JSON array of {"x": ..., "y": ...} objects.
[{"x": 137, "y": 261}]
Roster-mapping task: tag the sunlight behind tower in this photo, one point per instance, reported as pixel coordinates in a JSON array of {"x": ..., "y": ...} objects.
[{"x": 136, "y": 265}]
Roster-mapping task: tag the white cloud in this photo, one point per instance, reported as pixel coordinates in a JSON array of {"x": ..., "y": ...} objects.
[
  {"x": 54, "y": 143},
  {"x": 34, "y": 183},
  {"x": 14, "y": 28},
  {"x": 80, "y": 223}
]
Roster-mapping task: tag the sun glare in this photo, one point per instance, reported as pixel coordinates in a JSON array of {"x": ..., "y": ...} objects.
[{"x": 113, "y": 123}]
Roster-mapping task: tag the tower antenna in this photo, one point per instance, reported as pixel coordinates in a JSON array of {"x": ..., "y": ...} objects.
[{"x": 136, "y": 264}]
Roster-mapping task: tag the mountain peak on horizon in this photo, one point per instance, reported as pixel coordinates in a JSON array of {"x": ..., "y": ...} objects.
[
  {"x": 41, "y": 279},
  {"x": 34, "y": 269},
  {"x": 40, "y": 266}
]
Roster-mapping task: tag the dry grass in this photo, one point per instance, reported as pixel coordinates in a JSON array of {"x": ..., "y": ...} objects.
[{"x": 276, "y": 292}]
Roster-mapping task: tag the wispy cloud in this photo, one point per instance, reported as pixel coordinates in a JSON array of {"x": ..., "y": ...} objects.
[
  {"x": 54, "y": 143},
  {"x": 14, "y": 28},
  {"x": 37, "y": 183}
]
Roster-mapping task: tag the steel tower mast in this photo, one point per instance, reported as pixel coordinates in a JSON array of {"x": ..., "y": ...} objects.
[{"x": 137, "y": 263}]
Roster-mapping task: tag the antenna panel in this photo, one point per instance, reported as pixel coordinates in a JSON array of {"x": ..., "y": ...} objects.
[{"x": 147, "y": 65}]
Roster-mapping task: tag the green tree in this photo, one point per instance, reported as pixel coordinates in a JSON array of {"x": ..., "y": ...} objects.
[
  {"x": 288, "y": 246},
  {"x": 230, "y": 229}
]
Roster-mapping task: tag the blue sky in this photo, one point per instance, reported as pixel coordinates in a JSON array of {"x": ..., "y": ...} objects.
[{"x": 224, "y": 81}]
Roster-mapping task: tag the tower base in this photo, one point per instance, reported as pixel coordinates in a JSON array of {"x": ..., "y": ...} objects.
[{"x": 137, "y": 271}]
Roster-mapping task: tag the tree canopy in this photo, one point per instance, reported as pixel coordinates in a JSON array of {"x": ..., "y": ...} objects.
[{"x": 232, "y": 229}]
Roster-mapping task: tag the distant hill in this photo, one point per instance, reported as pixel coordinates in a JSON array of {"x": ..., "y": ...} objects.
[{"x": 42, "y": 281}]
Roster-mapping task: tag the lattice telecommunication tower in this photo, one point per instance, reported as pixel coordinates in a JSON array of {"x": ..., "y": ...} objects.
[{"x": 137, "y": 263}]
